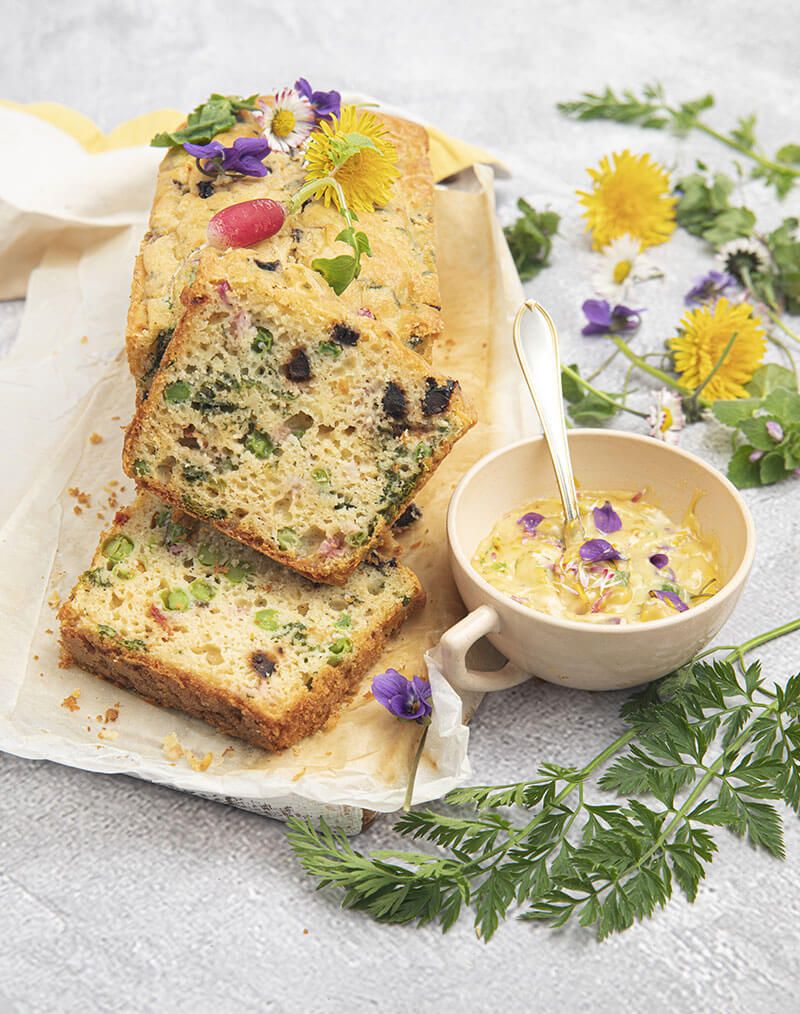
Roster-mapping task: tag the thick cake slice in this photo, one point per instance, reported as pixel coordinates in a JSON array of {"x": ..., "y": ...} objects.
[
  {"x": 398, "y": 285},
  {"x": 191, "y": 620},
  {"x": 299, "y": 432}
]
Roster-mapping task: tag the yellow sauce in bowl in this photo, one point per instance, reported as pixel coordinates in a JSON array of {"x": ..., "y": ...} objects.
[{"x": 632, "y": 564}]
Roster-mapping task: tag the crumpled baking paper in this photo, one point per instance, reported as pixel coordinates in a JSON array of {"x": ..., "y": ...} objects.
[{"x": 66, "y": 396}]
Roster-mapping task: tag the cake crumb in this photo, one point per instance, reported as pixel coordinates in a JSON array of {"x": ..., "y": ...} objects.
[
  {"x": 95, "y": 438},
  {"x": 84, "y": 499},
  {"x": 35, "y": 658},
  {"x": 77, "y": 510},
  {"x": 199, "y": 763},
  {"x": 84, "y": 339},
  {"x": 171, "y": 747},
  {"x": 305, "y": 932},
  {"x": 71, "y": 702},
  {"x": 227, "y": 751},
  {"x": 112, "y": 714},
  {"x": 108, "y": 734}
]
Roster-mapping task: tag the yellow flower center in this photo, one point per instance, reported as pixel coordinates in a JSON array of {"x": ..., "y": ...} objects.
[
  {"x": 621, "y": 271},
  {"x": 666, "y": 422},
  {"x": 283, "y": 123}
]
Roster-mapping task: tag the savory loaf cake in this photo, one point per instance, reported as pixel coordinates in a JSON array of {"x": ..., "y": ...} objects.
[
  {"x": 191, "y": 620},
  {"x": 299, "y": 431},
  {"x": 398, "y": 286}
]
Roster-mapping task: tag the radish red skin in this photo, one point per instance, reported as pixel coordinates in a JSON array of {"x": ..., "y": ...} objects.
[{"x": 246, "y": 223}]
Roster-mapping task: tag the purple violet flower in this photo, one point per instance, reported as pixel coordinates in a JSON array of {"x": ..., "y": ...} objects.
[
  {"x": 709, "y": 288},
  {"x": 774, "y": 430},
  {"x": 755, "y": 456},
  {"x": 659, "y": 560},
  {"x": 596, "y": 550},
  {"x": 245, "y": 156},
  {"x": 603, "y": 320},
  {"x": 324, "y": 104},
  {"x": 407, "y": 699},
  {"x": 670, "y": 597},
  {"x": 530, "y": 522},
  {"x": 606, "y": 519}
]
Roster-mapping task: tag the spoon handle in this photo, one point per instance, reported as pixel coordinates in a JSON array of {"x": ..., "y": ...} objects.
[{"x": 540, "y": 361}]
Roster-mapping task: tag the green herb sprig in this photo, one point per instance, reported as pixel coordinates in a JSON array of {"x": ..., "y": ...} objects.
[
  {"x": 530, "y": 239},
  {"x": 652, "y": 110},
  {"x": 707, "y": 747},
  {"x": 212, "y": 117}
]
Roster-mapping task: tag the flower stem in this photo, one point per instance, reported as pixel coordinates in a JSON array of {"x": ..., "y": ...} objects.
[
  {"x": 776, "y": 320},
  {"x": 695, "y": 395},
  {"x": 730, "y": 142},
  {"x": 603, "y": 366},
  {"x": 643, "y": 365},
  {"x": 600, "y": 394},
  {"x": 412, "y": 775}
]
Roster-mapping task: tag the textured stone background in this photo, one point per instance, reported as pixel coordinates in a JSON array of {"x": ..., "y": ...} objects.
[{"x": 120, "y": 896}]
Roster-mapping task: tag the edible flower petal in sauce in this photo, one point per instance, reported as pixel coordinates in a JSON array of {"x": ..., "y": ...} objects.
[
  {"x": 606, "y": 519},
  {"x": 597, "y": 550},
  {"x": 659, "y": 560},
  {"x": 530, "y": 522},
  {"x": 671, "y": 598}
]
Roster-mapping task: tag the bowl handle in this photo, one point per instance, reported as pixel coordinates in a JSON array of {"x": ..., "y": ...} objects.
[{"x": 457, "y": 641}]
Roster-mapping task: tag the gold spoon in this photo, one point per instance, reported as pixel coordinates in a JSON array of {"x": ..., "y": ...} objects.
[{"x": 540, "y": 361}]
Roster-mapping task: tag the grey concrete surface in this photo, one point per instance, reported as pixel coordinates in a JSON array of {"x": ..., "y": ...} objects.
[{"x": 120, "y": 896}]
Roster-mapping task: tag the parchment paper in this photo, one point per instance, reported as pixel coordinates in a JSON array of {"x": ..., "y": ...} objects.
[{"x": 66, "y": 380}]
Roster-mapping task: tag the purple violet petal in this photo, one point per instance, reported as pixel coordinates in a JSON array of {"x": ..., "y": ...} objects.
[
  {"x": 659, "y": 560},
  {"x": 406, "y": 699},
  {"x": 597, "y": 311},
  {"x": 672, "y": 599},
  {"x": 530, "y": 522},
  {"x": 774, "y": 430},
  {"x": 623, "y": 318},
  {"x": 595, "y": 550},
  {"x": 303, "y": 88},
  {"x": 211, "y": 150},
  {"x": 755, "y": 456},
  {"x": 606, "y": 519}
]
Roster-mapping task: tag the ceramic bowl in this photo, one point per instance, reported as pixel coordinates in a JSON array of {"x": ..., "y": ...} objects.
[{"x": 583, "y": 655}]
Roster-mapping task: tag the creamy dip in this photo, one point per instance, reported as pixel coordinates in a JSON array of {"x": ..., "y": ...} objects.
[{"x": 632, "y": 564}]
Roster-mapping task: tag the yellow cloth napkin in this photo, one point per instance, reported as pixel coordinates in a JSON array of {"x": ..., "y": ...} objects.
[{"x": 448, "y": 155}]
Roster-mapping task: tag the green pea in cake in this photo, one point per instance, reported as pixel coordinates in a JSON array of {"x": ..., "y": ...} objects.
[
  {"x": 177, "y": 612},
  {"x": 294, "y": 429}
]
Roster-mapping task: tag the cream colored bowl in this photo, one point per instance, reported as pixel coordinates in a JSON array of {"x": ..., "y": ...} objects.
[{"x": 569, "y": 652}]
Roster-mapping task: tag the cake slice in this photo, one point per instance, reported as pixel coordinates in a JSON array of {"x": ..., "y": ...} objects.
[
  {"x": 294, "y": 429},
  {"x": 398, "y": 285},
  {"x": 191, "y": 620}
]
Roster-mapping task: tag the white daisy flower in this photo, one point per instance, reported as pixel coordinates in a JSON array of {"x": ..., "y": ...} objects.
[
  {"x": 288, "y": 120},
  {"x": 666, "y": 417},
  {"x": 743, "y": 256},
  {"x": 623, "y": 265}
]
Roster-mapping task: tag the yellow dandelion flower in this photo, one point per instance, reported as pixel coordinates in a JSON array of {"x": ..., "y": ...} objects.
[
  {"x": 703, "y": 335},
  {"x": 630, "y": 194},
  {"x": 366, "y": 176}
]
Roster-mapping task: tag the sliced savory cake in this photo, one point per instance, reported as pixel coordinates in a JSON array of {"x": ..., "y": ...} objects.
[
  {"x": 191, "y": 620},
  {"x": 289, "y": 428},
  {"x": 398, "y": 286}
]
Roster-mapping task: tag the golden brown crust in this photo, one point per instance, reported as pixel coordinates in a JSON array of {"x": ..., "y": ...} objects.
[{"x": 172, "y": 687}]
